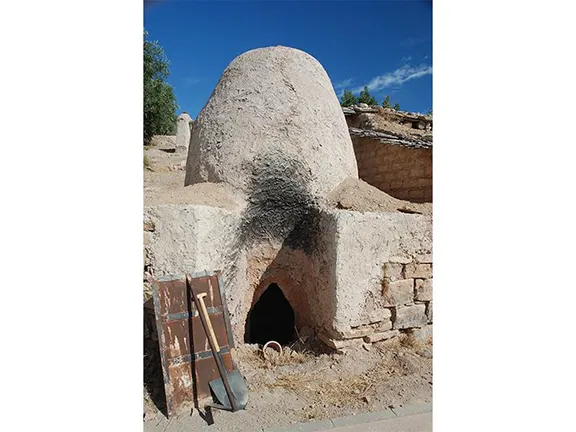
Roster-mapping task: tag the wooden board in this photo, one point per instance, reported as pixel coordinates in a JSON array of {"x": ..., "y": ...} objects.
[{"x": 187, "y": 361}]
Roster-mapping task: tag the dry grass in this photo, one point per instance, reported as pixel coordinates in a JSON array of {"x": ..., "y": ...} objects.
[
  {"x": 338, "y": 392},
  {"x": 255, "y": 357},
  {"x": 288, "y": 356}
]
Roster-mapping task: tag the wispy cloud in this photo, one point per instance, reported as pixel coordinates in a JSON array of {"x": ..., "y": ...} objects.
[
  {"x": 406, "y": 59},
  {"x": 396, "y": 78}
]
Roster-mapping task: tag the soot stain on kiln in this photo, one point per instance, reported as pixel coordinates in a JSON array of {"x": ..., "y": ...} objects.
[{"x": 279, "y": 205}]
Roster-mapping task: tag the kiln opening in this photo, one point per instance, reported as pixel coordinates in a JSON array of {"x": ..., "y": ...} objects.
[{"x": 271, "y": 318}]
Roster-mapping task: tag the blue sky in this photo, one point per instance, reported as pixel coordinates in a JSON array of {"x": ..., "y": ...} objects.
[{"x": 386, "y": 45}]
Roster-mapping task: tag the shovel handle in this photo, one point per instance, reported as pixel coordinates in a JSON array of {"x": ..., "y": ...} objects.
[
  {"x": 212, "y": 335},
  {"x": 198, "y": 299}
]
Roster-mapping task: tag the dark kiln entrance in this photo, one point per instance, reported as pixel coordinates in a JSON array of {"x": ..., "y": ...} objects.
[{"x": 271, "y": 318}]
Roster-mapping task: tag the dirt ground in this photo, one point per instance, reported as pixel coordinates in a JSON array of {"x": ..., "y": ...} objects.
[
  {"x": 306, "y": 384},
  {"x": 357, "y": 195}
]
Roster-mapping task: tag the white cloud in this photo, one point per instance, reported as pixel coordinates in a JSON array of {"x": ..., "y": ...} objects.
[{"x": 395, "y": 78}]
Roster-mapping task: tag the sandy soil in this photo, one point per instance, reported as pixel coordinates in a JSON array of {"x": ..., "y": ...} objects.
[
  {"x": 164, "y": 183},
  {"x": 357, "y": 195},
  {"x": 311, "y": 385}
]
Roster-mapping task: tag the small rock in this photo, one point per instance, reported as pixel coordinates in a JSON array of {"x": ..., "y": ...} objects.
[{"x": 366, "y": 399}]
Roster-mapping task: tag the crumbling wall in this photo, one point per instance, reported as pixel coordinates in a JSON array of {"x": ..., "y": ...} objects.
[{"x": 403, "y": 172}]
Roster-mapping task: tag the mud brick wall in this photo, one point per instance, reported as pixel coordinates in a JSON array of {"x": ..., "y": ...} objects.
[
  {"x": 406, "y": 304},
  {"x": 403, "y": 172}
]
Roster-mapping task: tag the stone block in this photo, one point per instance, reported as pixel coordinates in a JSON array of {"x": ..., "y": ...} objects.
[
  {"x": 423, "y": 289},
  {"x": 378, "y": 315},
  {"x": 147, "y": 238},
  {"x": 429, "y": 312},
  {"x": 420, "y": 271},
  {"x": 357, "y": 332},
  {"x": 424, "y": 258},
  {"x": 338, "y": 344},
  {"x": 392, "y": 271},
  {"x": 400, "y": 292},
  {"x": 383, "y": 326},
  {"x": 411, "y": 316},
  {"x": 400, "y": 259},
  {"x": 380, "y": 336},
  {"x": 423, "y": 334}
]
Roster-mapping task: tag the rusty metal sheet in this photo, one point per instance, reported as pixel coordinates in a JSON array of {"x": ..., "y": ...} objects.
[{"x": 187, "y": 362}]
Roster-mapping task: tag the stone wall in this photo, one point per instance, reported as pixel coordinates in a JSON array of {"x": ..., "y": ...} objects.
[
  {"x": 404, "y": 304},
  {"x": 403, "y": 172}
]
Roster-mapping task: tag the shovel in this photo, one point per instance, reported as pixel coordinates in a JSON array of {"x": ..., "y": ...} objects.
[{"x": 230, "y": 389}]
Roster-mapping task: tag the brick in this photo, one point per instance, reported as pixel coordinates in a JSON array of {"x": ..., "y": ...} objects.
[
  {"x": 388, "y": 175},
  {"x": 416, "y": 172},
  {"x": 393, "y": 271},
  {"x": 400, "y": 292},
  {"x": 418, "y": 271},
  {"x": 376, "y": 337},
  {"x": 410, "y": 316},
  {"x": 424, "y": 182},
  {"x": 396, "y": 184},
  {"x": 423, "y": 289},
  {"x": 416, "y": 193}
]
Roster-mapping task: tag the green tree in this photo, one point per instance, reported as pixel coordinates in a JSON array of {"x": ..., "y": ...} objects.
[
  {"x": 386, "y": 102},
  {"x": 430, "y": 112},
  {"x": 366, "y": 97},
  {"x": 159, "y": 100},
  {"x": 348, "y": 99},
  {"x": 396, "y": 107}
]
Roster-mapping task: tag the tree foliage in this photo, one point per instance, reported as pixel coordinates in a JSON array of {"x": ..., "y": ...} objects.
[
  {"x": 386, "y": 102},
  {"x": 159, "y": 100},
  {"x": 366, "y": 97},
  {"x": 396, "y": 107},
  {"x": 348, "y": 99}
]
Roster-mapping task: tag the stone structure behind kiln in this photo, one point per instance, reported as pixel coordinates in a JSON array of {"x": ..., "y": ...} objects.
[
  {"x": 183, "y": 127},
  {"x": 274, "y": 135}
]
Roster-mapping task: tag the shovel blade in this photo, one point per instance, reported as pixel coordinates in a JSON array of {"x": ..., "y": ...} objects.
[{"x": 238, "y": 387}]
